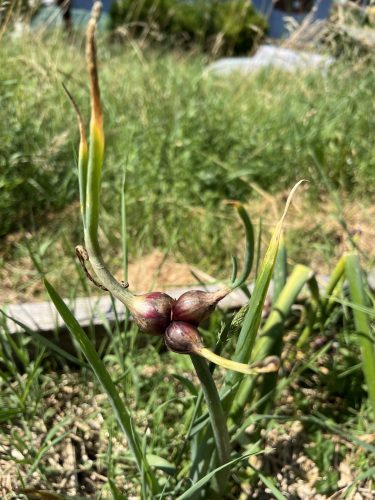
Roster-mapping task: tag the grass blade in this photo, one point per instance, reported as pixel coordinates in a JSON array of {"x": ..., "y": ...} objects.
[
  {"x": 249, "y": 248},
  {"x": 267, "y": 481},
  {"x": 46, "y": 342},
  {"x": 123, "y": 417},
  {"x": 366, "y": 310},
  {"x": 273, "y": 329},
  {"x": 82, "y": 156},
  {"x": 253, "y": 317},
  {"x": 196, "y": 486},
  {"x": 280, "y": 271},
  {"x": 332, "y": 286},
  {"x": 362, "y": 322}
]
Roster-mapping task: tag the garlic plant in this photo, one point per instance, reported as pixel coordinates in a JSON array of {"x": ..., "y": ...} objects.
[{"x": 157, "y": 313}]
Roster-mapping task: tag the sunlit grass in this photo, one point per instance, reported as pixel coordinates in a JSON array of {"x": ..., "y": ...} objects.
[{"x": 188, "y": 140}]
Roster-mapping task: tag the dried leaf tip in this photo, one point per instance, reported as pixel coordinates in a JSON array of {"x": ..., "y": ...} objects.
[{"x": 92, "y": 65}]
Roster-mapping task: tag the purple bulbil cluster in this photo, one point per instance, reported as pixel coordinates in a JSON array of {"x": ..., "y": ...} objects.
[{"x": 157, "y": 313}]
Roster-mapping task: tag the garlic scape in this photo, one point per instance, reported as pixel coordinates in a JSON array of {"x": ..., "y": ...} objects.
[
  {"x": 90, "y": 163},
  {"x": 155, "y": 313}
]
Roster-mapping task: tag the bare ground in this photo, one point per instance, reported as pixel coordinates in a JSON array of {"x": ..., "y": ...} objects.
[{"x": 72, "y": 461}]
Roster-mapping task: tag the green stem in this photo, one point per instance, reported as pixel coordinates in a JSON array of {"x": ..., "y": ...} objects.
[
  {"x": 334, "y": 280},
  {"x": 223, "y": 335},
  {"x": 217, "y": 416},
  {"x": 362, "y": 323}
]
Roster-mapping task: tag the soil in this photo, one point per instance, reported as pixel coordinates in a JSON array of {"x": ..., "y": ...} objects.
[{"x": 80, "y": 438}]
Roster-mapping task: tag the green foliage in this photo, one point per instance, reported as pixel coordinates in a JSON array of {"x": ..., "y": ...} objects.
[
  {"x": 36, "y": 175},
  {"x": 325, "y": 453},
  {"x": 219, "y": 27},
  {"x": 359, "y": 296}
]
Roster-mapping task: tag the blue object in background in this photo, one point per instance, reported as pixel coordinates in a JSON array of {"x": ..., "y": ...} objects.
[
  {"x": 277, "y": 18},
  {"x": 87, "y": 4},
  {"x": 51, "y": 16}
]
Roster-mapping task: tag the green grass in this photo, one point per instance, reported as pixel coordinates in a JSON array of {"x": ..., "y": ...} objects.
[{"x": 188, "y": 141}]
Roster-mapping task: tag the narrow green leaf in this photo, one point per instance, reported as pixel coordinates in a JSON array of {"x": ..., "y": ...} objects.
[
  {"x": 322, "y": 304},
  {"x": 124, "y": 228},
  {"x": 116, "y": 493},
  {"x": 366, "y": 310},
  {"x": 46, "y": 343},
  {"x": 362, "y": 322},
  {"x": 186, "y": 383},
  {"x": 297, "y": 279},
  {"x": 367, "y": 474},
  {"x": 269, "y": 483},
  {"x": 196, "y": 486},
  {"x": 253, "y": 317},
  {"x": 161, "y": 463},
  {"x": 249, "y": 247},
  {"x": 123, "y": 417},
  {"x": 82, "y": 156},
  {"x": 332, "y": 287},
  {"x": 9, "y": 413},
  {"x": 280, "y": 271},
  {"x": 234, "y": 268},
  {"x": 273, "y": 329}
]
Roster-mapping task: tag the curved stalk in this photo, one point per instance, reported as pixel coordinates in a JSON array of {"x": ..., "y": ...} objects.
[
  {"x": 94, "y": 170},
  {"x": 90, "y": 164},
  {"x": 249, "y": 248},
  {"x": 268, "y": 365}
]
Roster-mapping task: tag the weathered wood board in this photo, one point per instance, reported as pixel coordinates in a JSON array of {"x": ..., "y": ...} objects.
[{"x": 97, "y": 310}]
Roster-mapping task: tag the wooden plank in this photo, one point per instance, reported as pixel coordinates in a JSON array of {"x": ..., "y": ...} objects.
[{"x": 96, "y": 310}]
